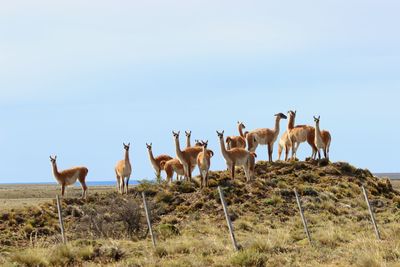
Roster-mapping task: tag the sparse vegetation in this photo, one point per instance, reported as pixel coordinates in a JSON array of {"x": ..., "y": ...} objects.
[{"x": 109, "y": 229}]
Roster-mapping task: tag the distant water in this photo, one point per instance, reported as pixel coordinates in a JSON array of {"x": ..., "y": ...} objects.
[
  {"x": 89, "y": 183},
  {"x": 393, "y": 176}
]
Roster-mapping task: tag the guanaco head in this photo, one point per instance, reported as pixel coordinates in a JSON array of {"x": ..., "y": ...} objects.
[
  {"x": 176, "y": 134},
  {"x": 162, "y": 164},
  {"x": 204, "y": 144},
  {"x": 241, "y": 125},
  {"x": 149, "y": 146},
  {"x": 197, "y": 143},
  {"x": 220, "y": 134},
  {"x": 126, "y": 147},
  {"x": 292, "y": 113},
  {"x": 317, "y": 119},
  {"x": 53, "y": 160},
  {"x": 281, "y": 116},
  {"x": 188, "y": 133}
]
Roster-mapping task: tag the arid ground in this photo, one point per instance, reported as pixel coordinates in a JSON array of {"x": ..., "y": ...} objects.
[{"x": 110, "y": 230}]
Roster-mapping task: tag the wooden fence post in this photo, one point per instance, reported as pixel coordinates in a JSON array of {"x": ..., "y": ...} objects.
[
  {"x": 228, "y": 219},
  {"x": 60, "y": 218},
  {"x": 303, "y": 218},
  {"x": 148, "y": 219},
  {"x": 371, "y": 213}
]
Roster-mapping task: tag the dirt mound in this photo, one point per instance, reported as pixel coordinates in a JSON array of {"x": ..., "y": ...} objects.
[{"x": 324, "y": 187}]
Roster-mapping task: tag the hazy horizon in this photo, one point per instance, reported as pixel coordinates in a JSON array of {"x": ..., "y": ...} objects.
[{"x": 80, "y": 78}]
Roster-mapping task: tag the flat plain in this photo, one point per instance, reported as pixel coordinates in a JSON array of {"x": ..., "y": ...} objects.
[{"x": 14, "y": 196}]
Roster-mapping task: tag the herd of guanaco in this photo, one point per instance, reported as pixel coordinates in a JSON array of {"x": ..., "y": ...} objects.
[{"x": 233, "y": 149}]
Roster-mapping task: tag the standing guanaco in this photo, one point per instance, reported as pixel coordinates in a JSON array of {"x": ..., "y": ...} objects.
[
  {"x": 238, "y": 157},
  {"x": 237, "y": 141},
  {"x": 300, "y": 134},
  {"x": 284, "y": 142},
  {"x": 123, "y": 170},
  {"x": 156, "y": 161},
  {"x": 322, "y": 139},
  {"x": 187, "y": 157},
  {"x": 69, "y": 176},
  {"x": 265, "y": 136},
  {"x": 204, "y": 163}
]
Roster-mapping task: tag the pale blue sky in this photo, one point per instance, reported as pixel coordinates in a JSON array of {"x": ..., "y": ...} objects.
[{"x": 78, "y": 78}]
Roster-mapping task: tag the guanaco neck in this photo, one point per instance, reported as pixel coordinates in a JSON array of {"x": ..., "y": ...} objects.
[
  {"x": 55, "y": 171},
  {"x": 188, "y": 141},
  {"x": 152, "y": 159},
  {"x": 205, "y": 155},
  {"x": 178, "y": 150},
  {"x": 240, "y": 127},
  {"x": 127, "y": 157},
  {"x": 277, "y": 122},
  {"x": 291, "y": 122},
  {"x": 223, "y": 148},
  {"x": 317, "y": 131}
]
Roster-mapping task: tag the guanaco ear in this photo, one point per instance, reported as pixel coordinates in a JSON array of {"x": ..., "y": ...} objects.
[
  {"x": 319, "y": 117},
  {"x": 211, "y": 153},
  {"x": 228, "y": 139},
  {"x": 51, "y": 158},
  {"x": 129, "y": 144}
]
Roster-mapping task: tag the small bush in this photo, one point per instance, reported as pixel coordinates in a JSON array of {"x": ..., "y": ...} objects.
[
  {"x": 347, "y": 168},
  {"x": 186, "y": 187},
  {"x": 161, "y": 252},
  {"x": 309, "y": 177},
  {"x": 168, "y": 230},
  {"x": 61, "y": 255},
  {"x": 28, "y": 258},
  {"x": 274, "y": 200},
  {"x": 165, "y": 197},
  {"x": 249, "y": 257}
]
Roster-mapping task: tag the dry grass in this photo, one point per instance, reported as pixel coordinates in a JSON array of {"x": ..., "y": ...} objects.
[{"x": 191, "y": 230}]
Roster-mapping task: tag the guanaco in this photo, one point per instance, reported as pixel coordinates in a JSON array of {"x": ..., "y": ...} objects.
[
  {"x": 123, "y": 170},
  {"x": 204, "y": 163},
  {"x": 171, "y": 166},
  {"x": 300, "y": 134},
  {"x": 265, "y": 136},
  {"x": 322, "y": 139},
  {"x": 238, "y": 157},
  {"x": 284, "y": 142},
  {"x": 69, "y": 176},
  {"x": 156, "y": 161},
  {"x": 237, "y": 141},
  {"x": 187, "y": 157}
]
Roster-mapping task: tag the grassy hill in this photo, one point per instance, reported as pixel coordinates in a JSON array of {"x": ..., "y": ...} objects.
[{"x": 109, "y": 229}]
